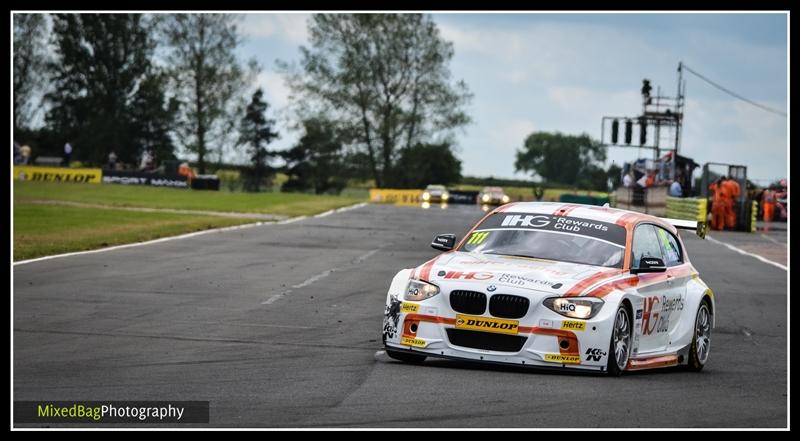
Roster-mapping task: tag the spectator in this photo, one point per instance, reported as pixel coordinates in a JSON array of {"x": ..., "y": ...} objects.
[
  {"x": 17, "y": 154},
  {"x": 25, "y": 153},
  {"x": 112, "y": 160},
  {"x": 67, "y": 154},
  {"x": 145, "y": 163},
  {"x": 628, "y": 179},
  {"x": 675, "y": 189},
  {"x": 651, "y": 178}
]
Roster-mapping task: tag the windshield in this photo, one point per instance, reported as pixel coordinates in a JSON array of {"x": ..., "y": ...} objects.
[{"x": 561, "y": 238}]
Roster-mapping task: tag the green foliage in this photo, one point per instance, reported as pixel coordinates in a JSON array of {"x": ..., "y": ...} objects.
[
  {"x": 385, "y": 80},
  {"x": 30, "y": 62},
  {"x": 565, "y": 159},
  {"x": 209, "y": 79},
  {"x": 106, "y": 95},
  {"x": 256, "y": 132},
  {"x": 424, "y": 164},
  {"x": 317, "y": 162}
]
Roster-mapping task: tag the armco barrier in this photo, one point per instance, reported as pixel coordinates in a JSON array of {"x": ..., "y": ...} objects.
[
  {"x": 395, "y": 196},
  {"x": 695, "y": 209},
  {"x": 58, "y": 174}
]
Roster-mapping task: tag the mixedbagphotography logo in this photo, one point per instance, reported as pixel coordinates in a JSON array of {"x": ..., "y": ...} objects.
[{"x": 135, "y": 412}]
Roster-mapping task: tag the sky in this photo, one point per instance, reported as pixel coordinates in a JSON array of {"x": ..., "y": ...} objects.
[{"x": 564, "y": 72}]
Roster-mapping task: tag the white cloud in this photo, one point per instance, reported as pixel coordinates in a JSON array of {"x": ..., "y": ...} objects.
[
  {"x": 292, "y": 28},
  {"x": 566, "y": 76}
]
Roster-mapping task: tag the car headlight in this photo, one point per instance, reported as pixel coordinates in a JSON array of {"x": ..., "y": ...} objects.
[
  {"x": 445, "y": 196},
  {"x": 485, "y": 198},
  {"x": 418, "y": 290},
  {"x": 426, "y": 196},
  {"x": 575, "y": 307},
  {"x": 506, "y": 199}
]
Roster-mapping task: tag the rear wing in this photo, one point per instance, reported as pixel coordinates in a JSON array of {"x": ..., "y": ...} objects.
[{"x": 682, "y": 224}]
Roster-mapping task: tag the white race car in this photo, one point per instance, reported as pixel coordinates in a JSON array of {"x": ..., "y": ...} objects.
[{"x": 556, "y": 285}]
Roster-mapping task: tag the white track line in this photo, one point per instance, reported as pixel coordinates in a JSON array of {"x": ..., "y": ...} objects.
[
  {"x": 317, "y": 277},
  {"x": 740, "y": 251},
  {"x": 183, "y": 236}
]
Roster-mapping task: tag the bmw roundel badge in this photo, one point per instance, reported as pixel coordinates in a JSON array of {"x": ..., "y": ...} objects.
[{"x": 491, "y": 288}]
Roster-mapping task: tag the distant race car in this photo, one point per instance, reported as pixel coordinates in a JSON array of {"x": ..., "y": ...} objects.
[
  {"x": 435, "y": 193},
  {"x": 556, "y": 285},
  {"x": 493, "y": 196}
]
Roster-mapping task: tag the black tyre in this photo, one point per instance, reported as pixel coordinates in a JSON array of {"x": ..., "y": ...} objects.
[
  {"x": 619, "y": 348},
  {"x": 701, "y": 341},
  {"x": 405, "y": 356}
]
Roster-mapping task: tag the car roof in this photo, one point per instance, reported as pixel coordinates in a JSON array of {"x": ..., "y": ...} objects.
[{"x": 625, "y": 218}]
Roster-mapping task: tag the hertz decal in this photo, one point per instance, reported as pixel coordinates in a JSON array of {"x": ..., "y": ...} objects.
[
  {"x": 409, "y": 307},
  {"x": 487, "y": 324},
  {"x": 411, "y": 341},
  {"x": 563, "y": 359},
  {"x": 573, "y": 325}
]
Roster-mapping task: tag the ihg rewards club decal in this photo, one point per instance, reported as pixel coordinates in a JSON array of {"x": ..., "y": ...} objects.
[{"x": 103, "y": 412}]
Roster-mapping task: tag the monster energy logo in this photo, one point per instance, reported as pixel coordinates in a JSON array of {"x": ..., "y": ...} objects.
[{"x": 478, "y": 238}]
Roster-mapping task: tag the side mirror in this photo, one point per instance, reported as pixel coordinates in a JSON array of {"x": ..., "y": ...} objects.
[
  {"x": 649, "y": 265},
  {"x": 444, "y": 242}
]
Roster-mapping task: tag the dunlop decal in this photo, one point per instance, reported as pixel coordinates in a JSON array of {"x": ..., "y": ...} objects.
[
  {"x": 487, "y": 324},
  {"x": 563, "y": 359},
  {"x": 411, "y": 341}
]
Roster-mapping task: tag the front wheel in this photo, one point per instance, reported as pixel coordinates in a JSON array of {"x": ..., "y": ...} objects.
[
  {"x": 619, "y": 348},
  {"x": 405, "y": 356},
  {"x": 701, "y": 341}
]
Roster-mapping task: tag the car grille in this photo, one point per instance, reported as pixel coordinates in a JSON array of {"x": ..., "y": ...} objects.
[
  {"x": 468, "y": 302},
  {"x": 486, "y": 340},
  {"x": 508, "y": 306}
]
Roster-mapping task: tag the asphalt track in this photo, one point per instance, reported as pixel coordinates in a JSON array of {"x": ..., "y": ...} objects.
[{"x": 279, "y": 326}]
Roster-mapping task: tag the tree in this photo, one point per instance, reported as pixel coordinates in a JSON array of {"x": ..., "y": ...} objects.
[
  {"x": 30, "y": 60},
  {"x": 256, "y": 132},
  {"x": 384, "y": 78},
  {"x": 152, "y": 117},
  {"x": 614, "y": 174},
  {"x": 317, "y": 161},
  {"x": 209, "y": 77},
  {"x": 563, "y": 159},
  {"x": 423, "y": 164},
  {"x": 105, "y": 90}
]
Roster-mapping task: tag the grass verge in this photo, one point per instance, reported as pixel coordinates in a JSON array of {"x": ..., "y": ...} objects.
[
  {"x": 43, "y": 230},
  {"x": 287, "y": 204}
]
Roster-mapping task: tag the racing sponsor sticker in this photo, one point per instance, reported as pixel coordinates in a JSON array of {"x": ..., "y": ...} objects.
[
  {"x": 468, "y": 275},
  {"x": 567, "y": 224},
  {"x": 412, "y": 341},
  {"x": 409, "y": 307},
  {"x": 573, "y": 325},
  {"x": 478, "y": 237},
  {"x": 487, "y": 324},
  {"x": 563, "y": 358}
]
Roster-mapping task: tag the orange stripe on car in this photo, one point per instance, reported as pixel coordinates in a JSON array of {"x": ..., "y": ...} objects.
[
  {"x": 652, "y": 362},
  {"x": 589, "y": 281}
]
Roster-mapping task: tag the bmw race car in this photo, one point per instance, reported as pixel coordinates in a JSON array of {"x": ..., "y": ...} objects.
[
  {"x": 493, "y": 196},
  {"x": 435, "y": 193},
  {"x": 556, "y": 285}
]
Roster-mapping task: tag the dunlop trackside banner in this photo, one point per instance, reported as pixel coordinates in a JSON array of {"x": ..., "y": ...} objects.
[{"x": 58, "y": 174}]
